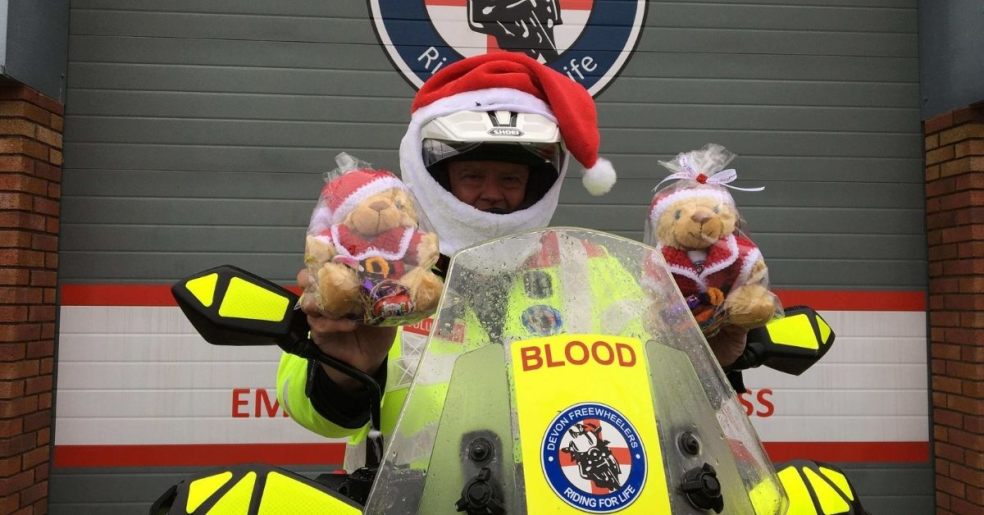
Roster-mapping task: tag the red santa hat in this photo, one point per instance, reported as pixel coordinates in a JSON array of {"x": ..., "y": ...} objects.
[
  {"x": 344, "y": 192},
  {"x": 570, "y": 103}
]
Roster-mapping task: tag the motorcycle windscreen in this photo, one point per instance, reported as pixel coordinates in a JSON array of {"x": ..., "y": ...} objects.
[{"x": 565, "y": 373}]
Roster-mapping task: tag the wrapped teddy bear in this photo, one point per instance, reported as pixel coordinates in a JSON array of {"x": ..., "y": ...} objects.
[
  {"x": 371, "y": 260},
  {"x": 694, "y": 224}
]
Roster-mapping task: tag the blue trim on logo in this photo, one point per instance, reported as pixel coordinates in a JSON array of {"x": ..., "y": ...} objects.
[{"x": 550, "y": 452}]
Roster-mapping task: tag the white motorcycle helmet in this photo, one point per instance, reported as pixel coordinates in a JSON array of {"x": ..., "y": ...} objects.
[
  {"x": 518, "y": 136},
  {"x": 509, "y": 136}
]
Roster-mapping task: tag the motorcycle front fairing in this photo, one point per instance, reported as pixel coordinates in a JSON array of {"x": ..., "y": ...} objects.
[{"x": 558, "y": 379}]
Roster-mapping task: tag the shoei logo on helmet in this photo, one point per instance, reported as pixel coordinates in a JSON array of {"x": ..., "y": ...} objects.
[
  {"x": 588, "y": 40},
  {"x": 593, "y": 458},
  {"x": 503, "y": 131}
]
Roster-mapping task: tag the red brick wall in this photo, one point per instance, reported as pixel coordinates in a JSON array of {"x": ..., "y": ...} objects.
[
  {"x": 30, "y": 192},
  {"x": 955, "y": 230}
]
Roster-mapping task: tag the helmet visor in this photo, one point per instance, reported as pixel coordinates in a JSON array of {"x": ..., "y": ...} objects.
[{"x": 534, "y": 154}]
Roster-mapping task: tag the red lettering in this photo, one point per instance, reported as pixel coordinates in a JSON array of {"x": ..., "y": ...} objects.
[
  {"x": 749, "y": 409},
  {"x": 550, "y": 362},
  {"x": 758, "y": 403},
  {"x": 263, "y": 399},
  {"x": 531, "y": 358},
  {"x": 577, "y": 353},
  {"x": 762, "y": 397},
  {"x": 626, "y": 358},
  {"x": 237, "y": 401},
  {"x": 422, "y": 327},
  {"x": 568, "y": 352},
  {"x": 597, "y": 354}
]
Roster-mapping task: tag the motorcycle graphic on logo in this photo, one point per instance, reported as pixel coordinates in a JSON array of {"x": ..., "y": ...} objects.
[
  {"x": 593, "y": 457},
  {"x": 587, "y": 40},
  {"x": 525, "y": 25}
]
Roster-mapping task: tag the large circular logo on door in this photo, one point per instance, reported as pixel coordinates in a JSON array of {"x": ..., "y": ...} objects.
[
  {"x": 593, "y": 458},
  {"x": 587, "y": 40}
]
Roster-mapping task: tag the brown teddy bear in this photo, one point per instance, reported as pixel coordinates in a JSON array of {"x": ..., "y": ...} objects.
[
  {"x": 370, "y": 259},
  {"x": 720, "y": 271}
]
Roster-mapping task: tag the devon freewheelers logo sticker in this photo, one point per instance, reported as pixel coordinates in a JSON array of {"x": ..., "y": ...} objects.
[
  {"x": 588, "y": 40},
  {"x": 593, "y": 458}
]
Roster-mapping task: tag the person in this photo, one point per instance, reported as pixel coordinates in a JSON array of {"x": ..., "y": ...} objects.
[{"x": 485, "y": 154}]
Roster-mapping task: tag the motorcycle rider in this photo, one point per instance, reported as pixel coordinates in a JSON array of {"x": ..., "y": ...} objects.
[{"x": 485, "y": 154}]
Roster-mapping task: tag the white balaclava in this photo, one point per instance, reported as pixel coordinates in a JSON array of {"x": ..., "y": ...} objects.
[{"x": 458, "y": 224}]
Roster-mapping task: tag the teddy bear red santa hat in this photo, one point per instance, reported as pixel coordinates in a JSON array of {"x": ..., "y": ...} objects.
[
  {"x": 346, "y": 191},
  {"x": 501, "y": 81}
]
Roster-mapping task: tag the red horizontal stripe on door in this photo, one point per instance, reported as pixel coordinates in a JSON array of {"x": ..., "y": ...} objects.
[
  {"x": 849, "y": 452},
  {"x": 332, "y": 454},
  {"x": 133, "y": 295},
  {"x": 832, "y": 300}
]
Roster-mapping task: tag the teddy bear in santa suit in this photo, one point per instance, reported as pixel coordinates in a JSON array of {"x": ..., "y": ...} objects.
[
  {"x": 719, "y": 270},
  {"x": 705, "y": 274},
  {"x": 365, "y": 235}
]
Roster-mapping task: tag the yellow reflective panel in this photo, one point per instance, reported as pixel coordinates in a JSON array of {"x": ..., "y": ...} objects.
[
  {"x": 838, "y": 480},
  {"x": 824, "y": 330},
  {"x": 795, "y": 331},
  {"x": 236, "y": 500},
  {"x": 246, "y": 300},
  {"x": 203, "y": 288},
  {"x": 800, "y": 502},
  {"x": 831, "y": 501},
  {"x": 201, "y": 489},
  {"x": 282, "y": 494}
]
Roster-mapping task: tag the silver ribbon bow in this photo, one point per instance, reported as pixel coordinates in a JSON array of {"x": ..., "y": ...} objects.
[{"x": 688, "y": 170}]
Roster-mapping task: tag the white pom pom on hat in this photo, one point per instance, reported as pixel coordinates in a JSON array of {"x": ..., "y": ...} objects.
[
  {"x": 599, "y": 178},
  {"x": 570, "y": 103}
]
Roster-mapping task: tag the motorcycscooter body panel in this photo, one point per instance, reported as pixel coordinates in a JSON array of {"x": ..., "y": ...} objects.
[{"x": 609, "y": 379}]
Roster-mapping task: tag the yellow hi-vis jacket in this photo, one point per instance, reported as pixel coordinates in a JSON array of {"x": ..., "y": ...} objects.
[{"x": 529, "y": 311}]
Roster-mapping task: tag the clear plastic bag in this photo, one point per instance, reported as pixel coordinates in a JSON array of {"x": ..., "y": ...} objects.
[
  {"x": 366, "y": 250},
  {"x": 696, "y": 227}
]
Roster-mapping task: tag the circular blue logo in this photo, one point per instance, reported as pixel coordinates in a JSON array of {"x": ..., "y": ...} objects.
[
  {"x": 593, "y": 458},
  {"x": 587, "y": 40}
]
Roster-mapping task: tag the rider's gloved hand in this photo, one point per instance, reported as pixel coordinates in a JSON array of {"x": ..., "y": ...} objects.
[
  {"x": 361, "y": 346},
  {"x": 728, "y": 344}
]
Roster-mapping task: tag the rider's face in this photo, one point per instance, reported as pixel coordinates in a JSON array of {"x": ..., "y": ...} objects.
[{"x": 492, "y": 186}]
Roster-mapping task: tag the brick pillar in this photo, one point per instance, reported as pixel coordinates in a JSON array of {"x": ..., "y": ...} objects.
[
  {"x": 30, "y": 192},
  {"x": 955, "y": 230}
]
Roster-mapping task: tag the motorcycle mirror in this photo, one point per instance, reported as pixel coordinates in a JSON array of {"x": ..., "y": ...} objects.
[
  {"x": 791, "y": 344},
  {"x": 230, "y": 306}
]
